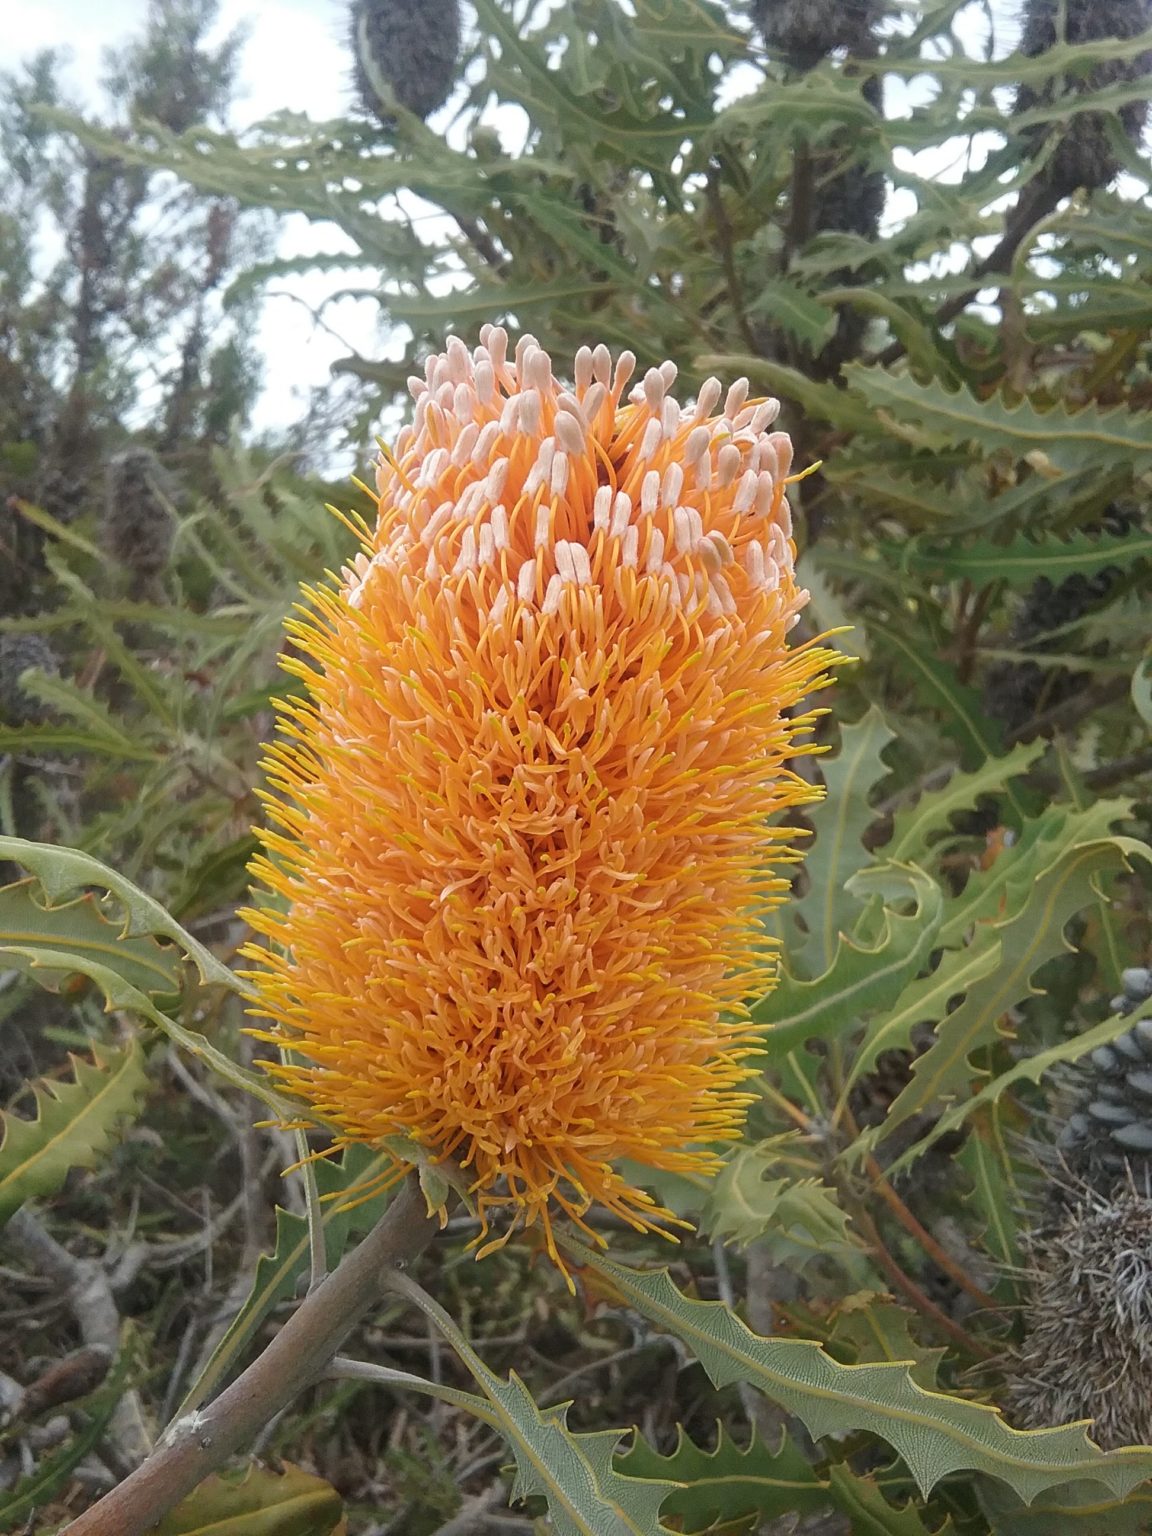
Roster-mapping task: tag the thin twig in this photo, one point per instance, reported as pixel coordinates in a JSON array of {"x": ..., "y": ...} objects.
[
  {"x": 931, "y": 1247},
  {"x": 89, "y": 1294},
  {"x": 470, "y": 1516},
  {"x": 296, "y": 1358},
  {"x": 1110, "y": 774},
  {"x": 908, "y": 1287},
  {"x": 481, "y": 241},
  {"x": 1086, "y": 702}
]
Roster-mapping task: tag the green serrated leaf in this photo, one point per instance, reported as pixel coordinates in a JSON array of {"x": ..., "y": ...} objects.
[
  {"x": 61, "y": 871},
  {"x": 799, "y": 312},
  {"x": 682, "y": 1194},
  {"x": 904, "y": 495},
  {"x": 1000, "y": 890},
  {"x": 1036, "y": 69},
  {"x": 74, "y": 1124},
  {"x": 910, "y": 324},
  {"x": 914, "y": 825},
  {"x": 863, "y": 976},
  {"x": 961, "y": 708},
  {"x": 575, "y": 1473},
  {"x": 995, "y": 1196},
  {"x": 823, "y": 401},
  {"x": 935, "y": 1434},
  {"x": 88, "y": 716},
  {"x": 761, "y": 1191},
  {"x": 73, "y": 738},
  {"x": 288, "y": 1502},
  {"x": 586, "y": 1495},
  {"x": 651, "y": 140},
  {"x": 877, "y": 1329},
  {"x": 1020, "y": 946},
  {"x": 1118, "y": 228},
  {"x": 82, "y": 927},
  {"x": 827, "y": 611},
  {"x": 924, "y": 1001},
  {"x": 1069, "y": 305},
  {"x": 727, "y": 1482},
  {"x": 1023, "y": 942},
  {"x": 120, "y": 994},
  {"x": 1031, "y": 1069},
  {"x": 1069, "y": 441},
  {"x": 829, "y": 908},
  {"x": 870, "y": 1512},
  {"x": 1076, "y": 1510},
  {"x": 1025, "y": 559},
  {"x": 279, "y": 1273}
]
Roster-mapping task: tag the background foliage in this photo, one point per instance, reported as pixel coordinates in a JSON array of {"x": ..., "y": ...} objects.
[{"x": 923, "y": 229}]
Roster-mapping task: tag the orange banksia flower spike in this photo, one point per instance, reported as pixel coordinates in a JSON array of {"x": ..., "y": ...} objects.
[{"x": 521, "y": 848}]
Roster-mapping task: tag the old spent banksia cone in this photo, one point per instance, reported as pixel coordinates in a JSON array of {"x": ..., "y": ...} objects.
[{"x": 523, "y": 855}]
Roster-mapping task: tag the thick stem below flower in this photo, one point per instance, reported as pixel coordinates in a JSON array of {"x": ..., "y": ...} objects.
[{"x": 194, "y": 1446}]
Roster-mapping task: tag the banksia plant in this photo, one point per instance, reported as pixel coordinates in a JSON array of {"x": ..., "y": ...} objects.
[
  {"x": 1083, "y": 154},
  {"x": 137, "y": 526},
  {"x": 406, "y": 52},
  {"x": 18, "y": 655},
  {"x": 526, "y": 818}
]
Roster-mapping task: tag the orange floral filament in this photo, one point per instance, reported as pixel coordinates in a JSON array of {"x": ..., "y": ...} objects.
[{"x": 521, "y": 847}]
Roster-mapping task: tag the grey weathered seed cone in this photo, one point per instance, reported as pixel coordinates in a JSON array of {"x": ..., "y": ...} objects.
[
  {"x": 137, "y": 525},
  {"x": 410, "y": 48},
  {"x": 1107, "y": 1139},
  {"x": 1082, "y": 155},
  {"x": 805, "y": 31},
  {"x": 17, "y": 654},
  {"x": 1087, "y": 1350}
]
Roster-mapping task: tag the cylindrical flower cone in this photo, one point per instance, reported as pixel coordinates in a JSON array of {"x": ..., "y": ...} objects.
[{"x": 524, "y": 834}]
